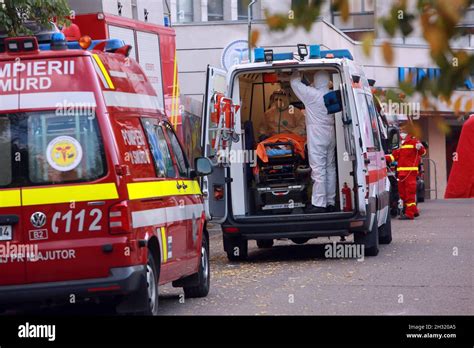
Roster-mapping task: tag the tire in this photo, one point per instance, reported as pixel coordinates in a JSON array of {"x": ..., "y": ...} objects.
[
  {"x": 420, "y": 192},
  {"x": 299, "y": 241},
  {"x": 264, "y": 243},
  {"x": 152, "y": 276},
  {"x": 394, "y": 212},
  {"x": 370, "y": 240},
  {"x": 236, "y": 248},
  {"x": 385, "y": 231},
  {"x": 204, "y": 274}
]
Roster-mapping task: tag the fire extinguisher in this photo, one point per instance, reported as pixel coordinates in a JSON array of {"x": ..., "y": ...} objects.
[{"x": 346, "y": 198}]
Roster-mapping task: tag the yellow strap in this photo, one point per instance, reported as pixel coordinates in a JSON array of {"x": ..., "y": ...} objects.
[
  {"x": 406, "y": 168},
  {"x": 69, "y": 194},
  {"x": 104, "y": 71},
  {"x": 407, "y": 146},
  {"x": 10, "y": 198},
  {"x": 411, "y": 204},
  {"x": 392, "y": 158},
  {"x": 163, "y": 188}
]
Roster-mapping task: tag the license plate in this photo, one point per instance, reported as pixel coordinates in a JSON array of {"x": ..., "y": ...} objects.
[{"x": 5, "y": 232}]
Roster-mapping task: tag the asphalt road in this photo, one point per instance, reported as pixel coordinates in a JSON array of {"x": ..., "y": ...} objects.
[{"x": 427, "y": 270}]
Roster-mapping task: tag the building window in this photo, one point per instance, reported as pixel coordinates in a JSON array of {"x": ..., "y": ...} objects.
[
  {"x": 215, "y": 10},
  {"x": 361, "y": 17},
  {"x": 242, "y": 9},
  {"x": 185, "y": 11}
]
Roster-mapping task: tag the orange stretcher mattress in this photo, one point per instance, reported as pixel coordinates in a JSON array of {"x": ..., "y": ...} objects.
[{"x": 298, "y": 142}]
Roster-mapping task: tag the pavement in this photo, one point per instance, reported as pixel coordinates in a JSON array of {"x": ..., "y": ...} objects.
[{"x": 428, "y": 269}]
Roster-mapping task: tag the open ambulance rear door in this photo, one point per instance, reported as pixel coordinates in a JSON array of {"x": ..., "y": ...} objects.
[{"x": 214, "y": 186}]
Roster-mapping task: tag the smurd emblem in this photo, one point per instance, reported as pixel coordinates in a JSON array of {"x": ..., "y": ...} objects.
[{"x": 38, "y": 219}]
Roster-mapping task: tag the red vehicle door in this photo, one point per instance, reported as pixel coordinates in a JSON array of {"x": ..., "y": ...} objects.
[
  {"x": 12, "y": 262},
  {"x": 173, "y": 236},
  {"x": 67, "y": 173},
  {"x": 190, "y": 200},
  {"x": 66, "y": 197}
]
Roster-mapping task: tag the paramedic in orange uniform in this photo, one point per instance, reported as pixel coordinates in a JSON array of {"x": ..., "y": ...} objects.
[{"x": 408, "y": 157}]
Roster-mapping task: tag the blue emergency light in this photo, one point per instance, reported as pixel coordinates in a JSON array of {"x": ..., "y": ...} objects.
[
  {"x": 262, "y": 55},
  {"x": 314, "y": 51},
  {"x": 259, "y": 54},
  {"x": 111, "y": 44}
]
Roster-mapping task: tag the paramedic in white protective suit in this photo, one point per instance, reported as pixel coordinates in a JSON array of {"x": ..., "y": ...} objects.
[{"x": 321, "y": 140}]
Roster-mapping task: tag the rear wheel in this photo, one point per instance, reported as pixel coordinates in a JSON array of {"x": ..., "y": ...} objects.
[
  {"x": 236, "y": 248},
  {"x": 299, "y": 240},
  {"x": 264, "y": 243},
  {"x": 204, "y": 274},
  {"x": 370, "y": 239},
  {"x": 385, "y": 231},
  {"x": 152, "y": 277}
]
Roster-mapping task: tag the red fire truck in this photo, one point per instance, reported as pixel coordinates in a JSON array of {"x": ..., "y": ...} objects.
[
  {"x": 153, "y": 47},
  {"x": 97, "y": 198}
]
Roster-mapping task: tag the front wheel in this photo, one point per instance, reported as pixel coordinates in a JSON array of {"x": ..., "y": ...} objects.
[
  {"x": 236, "y": 248},
  {"x": 204, "y": 274},
  {"x": 264, "y": 243}
]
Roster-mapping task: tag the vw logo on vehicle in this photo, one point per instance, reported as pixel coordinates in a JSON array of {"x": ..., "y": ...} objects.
[{"x": 38, "y": 219}]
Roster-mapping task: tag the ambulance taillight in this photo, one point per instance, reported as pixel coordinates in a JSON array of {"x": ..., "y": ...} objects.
[{"x": 120, "y": 221}]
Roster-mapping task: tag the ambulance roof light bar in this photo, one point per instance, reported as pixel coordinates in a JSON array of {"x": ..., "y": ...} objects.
[
  {"x": 267, "y": 55},
  {"x": 111, "y": 45},
  {"x": 315, "y": 52}
]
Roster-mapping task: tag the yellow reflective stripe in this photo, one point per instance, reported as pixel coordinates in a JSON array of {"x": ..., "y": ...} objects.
[
  {"x": 408, "y": 146},
  {"x": 68, "y": 194},
  {"x": 407, "y": 168},
  {"x": 392, "y": 158},
  {"x": 104, "y": 71},
  {"x": 410, "y": 204},
  {"x": 175, "y": 89},
  {"x": 10, "y": 198},
  {"x": 140, "y": 190},
  {"x": 164, "y": 244}
]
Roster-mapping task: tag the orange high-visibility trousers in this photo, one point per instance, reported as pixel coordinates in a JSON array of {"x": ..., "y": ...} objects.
[{"x": 407, "y": 191}]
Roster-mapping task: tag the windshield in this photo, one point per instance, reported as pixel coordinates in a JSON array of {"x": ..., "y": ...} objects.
[{"x": 40, "y": 148}]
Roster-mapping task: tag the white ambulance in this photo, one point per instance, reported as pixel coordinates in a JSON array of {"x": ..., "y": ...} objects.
[{"x": 259, "y": 188}]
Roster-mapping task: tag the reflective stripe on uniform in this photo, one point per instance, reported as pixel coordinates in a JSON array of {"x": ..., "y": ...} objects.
[
  {"x": 392, "y": 158},
  {"x": 407, "y": 146},
  {"x": 164, "y": 188},
  {"x": 406, "y": 169},
  {"x": 68, "y": 194},
  {"x": 411, "y": 204},
  {"x": 10, "y": 198}
]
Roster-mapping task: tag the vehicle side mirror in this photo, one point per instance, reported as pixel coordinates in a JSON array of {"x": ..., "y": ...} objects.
[
  {"x": 203, "y": 166},
  {"x": 394, "y": 138}
]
